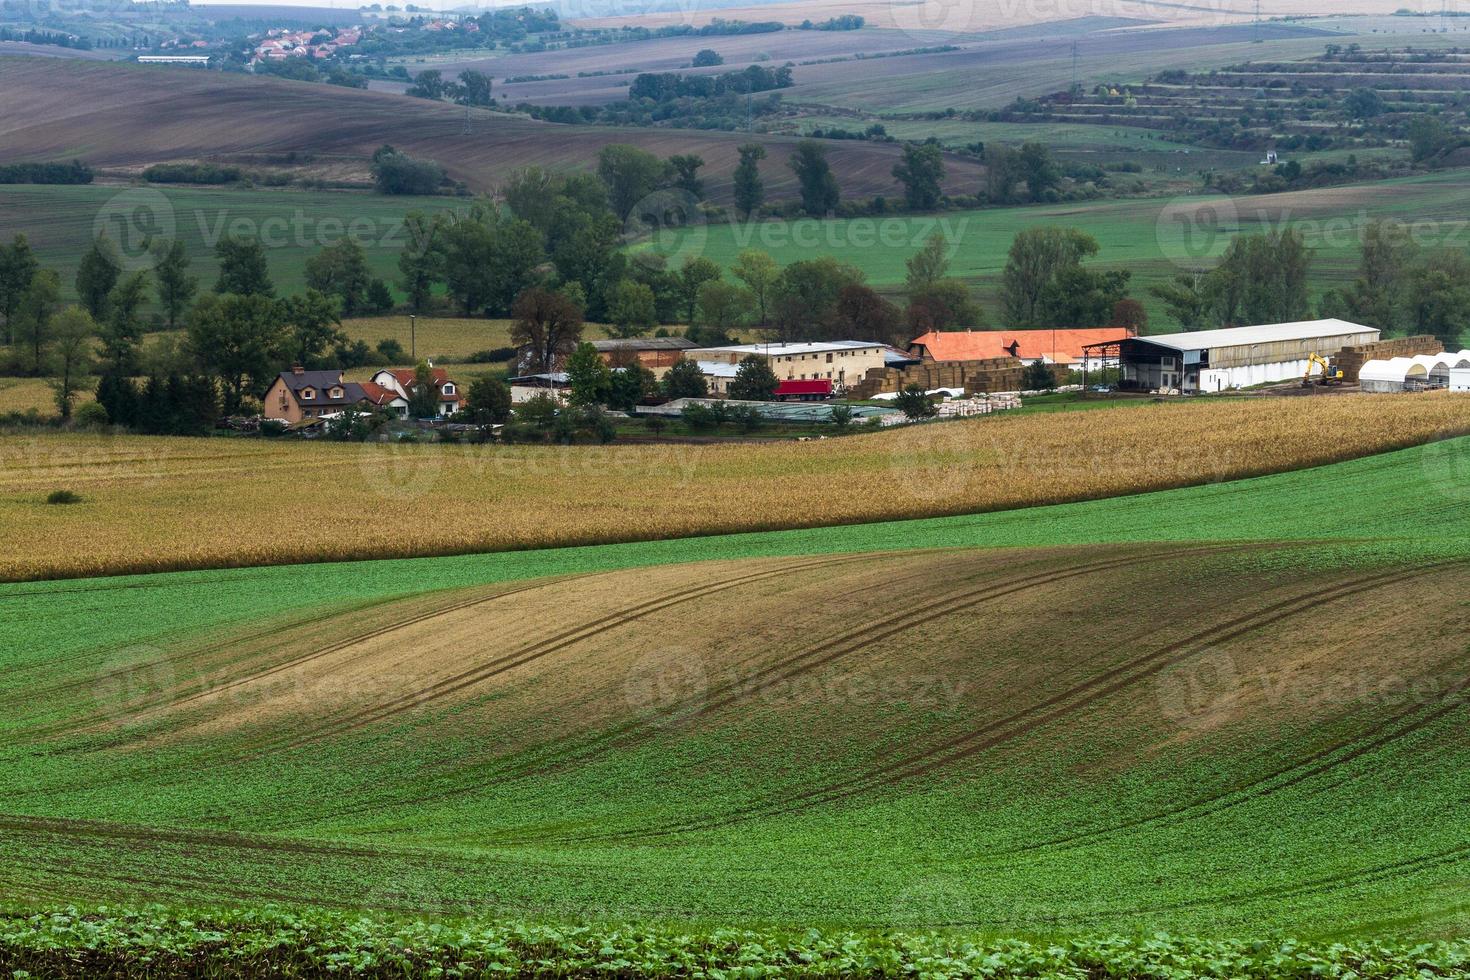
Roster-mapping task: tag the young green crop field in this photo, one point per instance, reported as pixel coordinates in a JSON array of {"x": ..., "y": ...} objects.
[
  {"x": 1236, "y": 709},
  {"x": 1154, "y": 239},
  {"x": 59, "y": 221}
]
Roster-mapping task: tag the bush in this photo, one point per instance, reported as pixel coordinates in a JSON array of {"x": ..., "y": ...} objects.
[
  {"x": 75, "y": 172},
  {"x": 191, "y": 173},
  {"x": 399, "y": 173},
  {"x": 63, "y": 497}
]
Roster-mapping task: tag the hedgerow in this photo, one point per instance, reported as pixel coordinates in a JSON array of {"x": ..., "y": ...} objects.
[{"x": 154, "y": 942}]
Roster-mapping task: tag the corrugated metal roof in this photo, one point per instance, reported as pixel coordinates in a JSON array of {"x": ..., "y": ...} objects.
[
  {"x": 718, "y": 369},
  {"x": 781, "y": 350},
  {"x": 1270, "y": 333},
  {"x": 644, "y": 343}
]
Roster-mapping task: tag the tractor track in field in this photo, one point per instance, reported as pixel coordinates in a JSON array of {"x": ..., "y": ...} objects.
[
  {"x": 1298, "y": 772},
  {"x": 552, "y": 645},
  {"x": 190, "y": 653},
  {"x": 1026, "y": 720},
  {"x": 195, "y": 693},
  {"x": 889, "y": 626}
]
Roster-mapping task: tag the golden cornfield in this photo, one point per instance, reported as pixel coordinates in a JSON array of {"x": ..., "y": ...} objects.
[{"x": 153, "y": 504}]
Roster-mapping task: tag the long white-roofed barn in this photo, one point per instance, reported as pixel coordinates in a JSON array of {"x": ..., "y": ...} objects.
[{"x": 1238, "y": 357}]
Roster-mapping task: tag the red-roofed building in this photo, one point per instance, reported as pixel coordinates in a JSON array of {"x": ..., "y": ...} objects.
[
  {"x": 1062, "y": 346},
  {"x": 400, "y": 381}
]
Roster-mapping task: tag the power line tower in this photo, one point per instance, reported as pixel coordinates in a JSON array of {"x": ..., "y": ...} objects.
[
  {"x": 1074, "y": 67},
  {"x": 465, "y": 129},
  {"x": 1256, "y": 30}
]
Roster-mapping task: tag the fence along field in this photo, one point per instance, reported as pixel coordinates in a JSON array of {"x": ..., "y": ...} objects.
[
  {"x": 228, "y": 499},
  {"x": 1220, "y": 773}
]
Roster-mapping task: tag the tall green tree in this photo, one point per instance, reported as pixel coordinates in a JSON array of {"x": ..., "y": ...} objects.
[
  {"x": 1037, "y": 258},
  {"x": 684, "y": 380},
  {"x": 1038, "y": 168},
  {"x": 1186, "y": 298},
  {"x": 819, "y": 191},
  {"x": 692, "y": 277},
  {"x": 632, "y": 309},
  {"x": 17, "y": 266},
  {"x": 238, "y": 340},
  {"x": 921, "y": 171},
  {"x": 122, "y": 330},
  {"x": 547, "y": 328},
  {"x": 929, "y": 264},
  {"x": 421, "y": 263},
  {"x": 71, "y": 356},
  {"x": 33, "y": 316},
  {"x": 1378, "y": 296},
  {"x": 341, "y": 270},
  {"x": 722, "y": 307},
  {"x": 754, "y": 380},
  {"x": 1439, "y": 290},
  {"x": 683, "y": 169},
  {"x": 945, "y": 304},
  {"x": 760, "y": 273},
  {"x": 630, "y": 174},
  {"x": 423, "y": 396},
  {"x": 242, "y": 267},
  {"x": 176, "y": 288},
  {"x": 750, "y": 189},
  {"x": 97, "y": 273},
  {"x": 312, "y": 326},
  {"x": 588, "y": 376}
]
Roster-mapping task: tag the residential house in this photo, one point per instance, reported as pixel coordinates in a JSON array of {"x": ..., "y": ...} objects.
[
  {"x": 299, "y": 394},
  {"x": 401, "y": 382}
]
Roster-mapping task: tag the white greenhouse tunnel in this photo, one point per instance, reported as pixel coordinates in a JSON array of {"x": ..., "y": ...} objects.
[{"x": 1448, "y": 370}]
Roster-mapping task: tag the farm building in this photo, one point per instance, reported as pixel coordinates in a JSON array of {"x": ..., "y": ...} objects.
[
  {"x": 658, "y": 354},
  {"x": 1419, "y": 373},
  {"x": 843, "y": 362},
  {"x": 1238, "y": 357},
  {"x": 556, "y": 384},
  {"x": 1067, "y": 347}
]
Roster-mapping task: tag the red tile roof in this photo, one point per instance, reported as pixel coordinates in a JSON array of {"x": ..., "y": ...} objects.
[{"x": 979, "y": 345}]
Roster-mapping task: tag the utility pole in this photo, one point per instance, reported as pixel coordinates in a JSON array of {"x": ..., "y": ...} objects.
[{"x": 413, "y": 338}]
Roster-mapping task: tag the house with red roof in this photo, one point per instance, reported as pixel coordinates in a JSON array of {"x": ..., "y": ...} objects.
[
  {"x": 401, "y": 382},
  {"x": 1062, "y": 346}
]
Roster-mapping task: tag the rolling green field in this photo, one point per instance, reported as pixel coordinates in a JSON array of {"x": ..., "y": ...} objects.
[
  {"x": 1154, "y": 239},
  {"x": 59, "y": 221},
  {"x": 1236, "y": 709}
]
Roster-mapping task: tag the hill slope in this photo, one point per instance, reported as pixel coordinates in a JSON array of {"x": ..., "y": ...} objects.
[
  {"x": 1221, "y": 735},
  {"x": 989, "y": 739},
  {"x": 131, "y": 115}
]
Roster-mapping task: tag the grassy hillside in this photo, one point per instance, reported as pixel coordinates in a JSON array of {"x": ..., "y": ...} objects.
[
  {"x": 127, "y": 116},
  {"x": 1152, "y": 238},
  {"x": 226, "y": 501},
  {"x": 1089, "y": 735},
  {"x": 59, "y": 221}
]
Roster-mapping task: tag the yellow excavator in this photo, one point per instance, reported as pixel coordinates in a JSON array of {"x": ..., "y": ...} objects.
[{"x": 1331, "y": 373}]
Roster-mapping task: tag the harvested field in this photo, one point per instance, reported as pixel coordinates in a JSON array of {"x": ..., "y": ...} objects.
[
  {"x": 989, "y": 740},
  {"x": 400, "y": 500},
  {"x": 128, "y": 116},
  {"x": 445, "y": 339}
]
